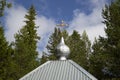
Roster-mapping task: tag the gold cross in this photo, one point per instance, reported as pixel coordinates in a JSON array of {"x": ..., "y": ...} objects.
[{"x": 62, "y": 24}]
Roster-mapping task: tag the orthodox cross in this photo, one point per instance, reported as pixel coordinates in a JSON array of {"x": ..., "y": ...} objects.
[{"x": 62, "y": 24}]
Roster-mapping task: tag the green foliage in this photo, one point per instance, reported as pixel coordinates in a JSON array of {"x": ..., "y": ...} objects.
[
  {"x": 5, "y": 57},
  {"x": 97, "y": 60},
  {"x": 111, "y": 15},
  {"x": 44, "y": 58},
  {"x": 105, "y": 58},
  {"x": 87, "y": 43},
  {"x": 87, "y": 46},
  {"x": 25, "y": 45},
  {"x": 6, "y": 66},
  {"x": 78, "y": 49},
  {"x": 52, "y": 43}
]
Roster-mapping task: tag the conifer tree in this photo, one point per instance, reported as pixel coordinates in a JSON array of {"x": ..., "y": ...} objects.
[
  {"x": 78, "y": 49},
  {"x": 106, "y": 51},
  {"x": 87, "y": 43},
  {"x": 26, "y": 45},
  {"x": 96, "y": 59},
  {"x": 6, "y": 62},
  {"x": 87, "y": 46},
  {"x": 5, "y": 58},
  {"x": 111, "y": 15}
]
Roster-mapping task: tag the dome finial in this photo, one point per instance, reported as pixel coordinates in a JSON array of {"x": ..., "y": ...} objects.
[
  {"x": 62, "y": 40},
  {"x": 62, "y": 50}
]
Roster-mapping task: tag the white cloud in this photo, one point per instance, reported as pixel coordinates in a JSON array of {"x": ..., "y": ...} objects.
[
  {"x": 14, "y": 21},
  {"x": 92, "y": 23},
  {"x": 46, "y": 27}
]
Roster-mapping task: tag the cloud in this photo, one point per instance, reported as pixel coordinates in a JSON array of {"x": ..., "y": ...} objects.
[
  {"x": 92, "y": 22},
  {"x": 14, "y": 21},
  {"x": 46, "y": 27}
]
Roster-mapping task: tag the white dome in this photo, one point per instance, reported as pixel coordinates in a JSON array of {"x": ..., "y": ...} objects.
[{"x": 62, "y": 50}]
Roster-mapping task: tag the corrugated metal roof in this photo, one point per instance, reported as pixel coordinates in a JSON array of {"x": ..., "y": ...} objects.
[{"x": 59, "y": 70}]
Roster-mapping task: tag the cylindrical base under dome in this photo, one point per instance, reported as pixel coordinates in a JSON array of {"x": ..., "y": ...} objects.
[{"x": 63, "y": 58}]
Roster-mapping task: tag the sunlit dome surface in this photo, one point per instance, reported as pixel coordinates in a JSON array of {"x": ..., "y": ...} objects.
[{"x": 63, "y": 50}]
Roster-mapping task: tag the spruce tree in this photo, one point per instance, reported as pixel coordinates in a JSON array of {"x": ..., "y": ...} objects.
[
  {"x": 26, "y": 45},
  {"x": 78, "y": 49},
  {"x": 97, "y": 60},
  {"x": 111, "y": 15},
  {"x": 87, "y": 43},
  {"x": 6, "y": 62},
  {"x": 87, "y": 46},
  {"x": 106, "y": 52},
  {"x": 3, "y": 55}
]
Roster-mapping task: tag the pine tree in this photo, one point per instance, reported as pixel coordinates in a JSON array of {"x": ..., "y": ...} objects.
[
  {"x": 87, "y": 43},
  {"x": 106, "y": 52},
  {"x": 26, "y": 44},
  {"x": 97, "y": 60},
  {"x": 6, "y": 51},
  {"x": 87, "y": 46},
  {"x": 5, "y": 57},
  {"x": 111, "y": 15},
  {"x": 78, "y": 49}
]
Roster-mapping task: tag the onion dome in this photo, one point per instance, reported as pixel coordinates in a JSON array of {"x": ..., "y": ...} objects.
[{"x": 62, "y": 50}]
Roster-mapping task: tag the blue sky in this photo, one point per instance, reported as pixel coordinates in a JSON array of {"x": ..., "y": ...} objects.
[
  {"x": 79, "y": 14},
  {"x": 58, "y": 9}
]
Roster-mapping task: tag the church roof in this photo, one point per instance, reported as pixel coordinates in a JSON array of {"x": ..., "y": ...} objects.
[{"x": 59, "y": 70}]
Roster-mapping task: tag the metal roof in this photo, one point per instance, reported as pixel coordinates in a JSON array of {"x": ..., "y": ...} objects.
[{"x": 59, "y": 70}]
